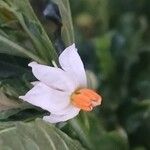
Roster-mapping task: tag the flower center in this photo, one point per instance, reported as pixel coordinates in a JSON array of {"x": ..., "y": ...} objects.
[{"x": 85, "y": 99}]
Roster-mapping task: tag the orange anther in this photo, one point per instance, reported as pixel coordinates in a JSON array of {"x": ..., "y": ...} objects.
[
  {"x": 85, "y": 99},
  {"x": 90, "y": 93}
]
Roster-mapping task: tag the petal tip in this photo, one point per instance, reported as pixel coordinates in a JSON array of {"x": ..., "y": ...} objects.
[
  {"x": 21, "y": 97},
  {"x": 73, "y": 46},
  {"x": 32, "y": 64},
  {"x": 34, "y": 83},
  {"x": 47, "y": 119}
]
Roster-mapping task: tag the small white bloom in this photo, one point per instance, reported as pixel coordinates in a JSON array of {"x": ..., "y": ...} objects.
[{"x": 62, "y": 91}]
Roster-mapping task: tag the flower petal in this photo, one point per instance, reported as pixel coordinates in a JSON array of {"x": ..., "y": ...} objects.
[
  {"x": 67, "y": 110},
  {"x": 71, "y": 62},
  {"x": 47, "y": 98},
  {"x": 61, "y": 118},
  {"x": 54, "y": 77},
  {"x": 35, "y": 82}
]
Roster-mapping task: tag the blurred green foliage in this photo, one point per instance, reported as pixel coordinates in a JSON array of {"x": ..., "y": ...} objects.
[
  {"x": 36, "y": 135},
  {"x": 113, "y": 38}
]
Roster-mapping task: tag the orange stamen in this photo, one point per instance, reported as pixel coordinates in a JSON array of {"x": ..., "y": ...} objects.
[{"x": 85, "y": 99}]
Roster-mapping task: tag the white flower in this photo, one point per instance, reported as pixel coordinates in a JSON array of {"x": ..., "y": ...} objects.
[{"x": 62, "y": 91}]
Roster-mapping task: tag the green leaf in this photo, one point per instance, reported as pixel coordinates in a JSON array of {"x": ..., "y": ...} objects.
[
  {"x": 107, "y": 63},
  {"x": 67, "y": 28},
  {"x": 139, "y": 148},
  {"x": 86, "y": 126},
  {"x": 37, "y": 135},
  {"x": 112, "y": 141},
  {"x": 24, "y": 13},
  {"x": 9, "y": 107},
  {"x": 12, "y": 67},
  {"x": 18, "y": 48},
  {"x": 137, "y": 112},
  {"x": 6, "y": 103}
]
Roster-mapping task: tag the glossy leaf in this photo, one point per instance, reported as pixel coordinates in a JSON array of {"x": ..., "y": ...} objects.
[
  {"x": 67, "y": 28},
  {"x": 35, "y": 136}
]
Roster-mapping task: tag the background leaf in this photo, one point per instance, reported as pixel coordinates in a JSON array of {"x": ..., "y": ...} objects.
[
  {"x": 25, "y": 16},
  {"x": 35, "y": 136},
  {"x": 67, "y": 28}
]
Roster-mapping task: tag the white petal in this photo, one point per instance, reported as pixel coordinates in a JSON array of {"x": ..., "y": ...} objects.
[
  {"x": 53, "y": 77},
  {"x": 67, "y": 110},
  {"x": 35, "y": 83},
  {"x": 71, "y": 62},
  {"x": 61, "y": 118},
  {"x": 47, "y": 98}
]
